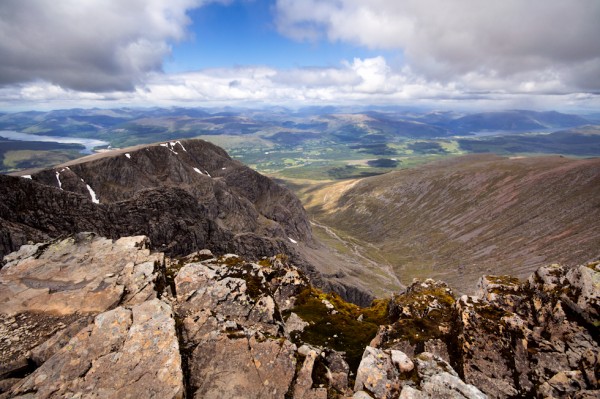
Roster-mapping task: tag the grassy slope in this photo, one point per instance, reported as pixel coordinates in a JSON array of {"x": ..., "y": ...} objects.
[{"x": 461, "y": 218}]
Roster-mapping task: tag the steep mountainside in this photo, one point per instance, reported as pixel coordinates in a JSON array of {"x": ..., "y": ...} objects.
[
  {"x": 184, "y": 195},
  {"x": 461, "y": 218},
  {"x": 87, "y": 316}
]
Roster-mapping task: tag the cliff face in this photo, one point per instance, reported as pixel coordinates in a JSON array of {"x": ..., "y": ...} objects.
[
  {"x": 90, "y": 316},
  {"x": 184, "y": 195}
]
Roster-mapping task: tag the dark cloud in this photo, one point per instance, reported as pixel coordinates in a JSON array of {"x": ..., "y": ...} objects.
[{"x": 92, "y": 45}]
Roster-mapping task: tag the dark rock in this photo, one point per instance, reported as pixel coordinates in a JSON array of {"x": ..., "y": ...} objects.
[{"x": 159, "y": 192}]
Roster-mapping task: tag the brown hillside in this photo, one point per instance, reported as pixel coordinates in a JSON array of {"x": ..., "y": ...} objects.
[{"x": 461, "y": 218}]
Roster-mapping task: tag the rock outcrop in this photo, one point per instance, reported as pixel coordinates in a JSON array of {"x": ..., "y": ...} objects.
[{"x": 87, "y": 316}]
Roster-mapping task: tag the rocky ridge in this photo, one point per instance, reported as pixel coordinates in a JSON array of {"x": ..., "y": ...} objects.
[
  {"x": 184, "y": 195},
  {"x": 87, "y": 316}
]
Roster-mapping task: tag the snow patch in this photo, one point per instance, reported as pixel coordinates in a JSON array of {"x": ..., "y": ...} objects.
[
  {"x": 179, "y": 142},
  {"x": 128, "y": 155},
  {"x": 170, "y": 146},
  {"x": 202, "y": 173},
  {"x": 223, "y": 168},
  {"x": 292, "y": 240},
  {"x": 26, "y": 177},
  {"x": 92, "y": 194},
  {"x": 58, "y": 179}
]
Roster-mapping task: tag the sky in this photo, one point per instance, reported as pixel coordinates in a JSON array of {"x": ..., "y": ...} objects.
[{"x": 472, "y": 54}]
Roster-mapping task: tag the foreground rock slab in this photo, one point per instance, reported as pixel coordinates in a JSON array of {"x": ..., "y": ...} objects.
[
  {"x": 50, "y": 291},
  {"x": 81, "y": 274},
  {"x": 125, "y": 352}
]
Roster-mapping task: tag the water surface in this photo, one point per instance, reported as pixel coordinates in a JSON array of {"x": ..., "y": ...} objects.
[{"x": 89, "y": 144}]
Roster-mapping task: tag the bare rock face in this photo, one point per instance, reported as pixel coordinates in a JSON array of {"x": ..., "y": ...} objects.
[
  {"x": 226, "y": 193},
  {"x": 385, "y": 374},
  {"x": 125, "y": 352},
  {"x": 51, "y": 278},
  {"x": 86, "y": 316},
  {"x": 524, "y": 338},
  {"x": 51, "y": 290},
  {"x": 235, "y": 336}
]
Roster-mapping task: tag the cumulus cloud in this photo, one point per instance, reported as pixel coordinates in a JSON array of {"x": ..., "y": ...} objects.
[
  {"x": 450, "y": 40},
  {"x": 91, "y": 45},
  {"x": 360, "y": 81}
]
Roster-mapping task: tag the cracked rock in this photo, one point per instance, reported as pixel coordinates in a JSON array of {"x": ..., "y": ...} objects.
[{"x": 125, "y": 352}]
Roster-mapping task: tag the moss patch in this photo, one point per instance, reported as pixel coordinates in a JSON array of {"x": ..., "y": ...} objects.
[
  {"x": 504, "y": 280},
  {"x": 255, "y": 286},
  {"x": 338, "y": 328},
  {"x": 425, "y": 311}
]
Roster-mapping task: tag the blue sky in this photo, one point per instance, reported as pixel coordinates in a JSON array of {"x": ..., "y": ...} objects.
[
  {"x": 443, "y": 54},
  {"x": 244, "y": 33}
]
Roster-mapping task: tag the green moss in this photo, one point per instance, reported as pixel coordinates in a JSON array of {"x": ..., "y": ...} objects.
[
  {"x": 231, "y": 260},
  {"x": 595, "y": 266},
  {"x": 338, "y": 328},
  {"x": 504, "y": 280},
  {"x": 422, "y": 313},
  {"x": 491, "y": 316},
  {"x": 244, "y": 271}
]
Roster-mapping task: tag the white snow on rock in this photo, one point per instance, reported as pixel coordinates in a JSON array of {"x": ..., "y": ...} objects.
[
  {"x": 26, "y": 177},
  {"x": 202, "y": 173},
  {"x": 223, "y": 168},
  {"x": 58, "y": 179},
  {"x": 92, "y": 194},
  {"x": 169, "y": 146},
  {"x": 292, "y": 240},
  {"x": 179, "y": 142},
  {"x": 128, "y": 155}
]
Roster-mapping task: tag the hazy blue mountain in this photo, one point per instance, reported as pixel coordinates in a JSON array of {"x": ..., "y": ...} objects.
[{"x": 515, "y": 120}]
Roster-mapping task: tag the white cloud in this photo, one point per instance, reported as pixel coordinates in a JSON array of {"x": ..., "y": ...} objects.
[
  {"x": 91, "y": 45},
  {"x": 77, "y": 53},
  {"x": 360, "y": 81},
  {"x": 448, "y": 40}
]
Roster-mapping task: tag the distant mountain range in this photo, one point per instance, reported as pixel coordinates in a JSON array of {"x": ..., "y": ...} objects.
[
  {"x": 328, "y": 133},
  {"x": 135, "y": 126}
]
